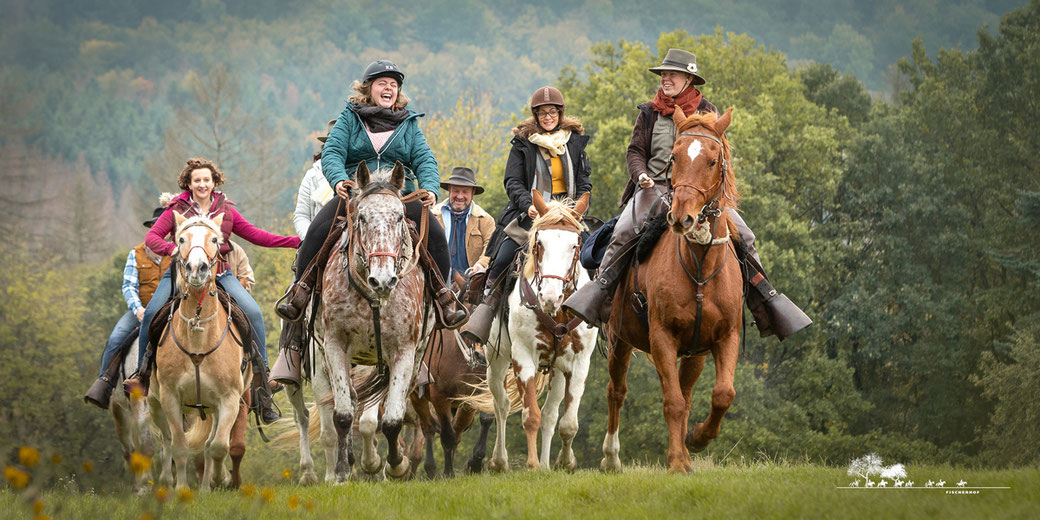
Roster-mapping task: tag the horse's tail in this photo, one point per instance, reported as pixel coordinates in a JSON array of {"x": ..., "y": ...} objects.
[
  {"x": 370, "y": 383},
  {"x": 290, "y": 439},
  {"x": 482, "y": 400},
  {"x": 198, "y": 431}
]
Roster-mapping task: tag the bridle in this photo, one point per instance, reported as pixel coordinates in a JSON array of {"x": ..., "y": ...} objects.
[
  {"x": 530, "y": 300},
  {"x": 710, "y": 209},
  {"x": 568, "y": 279}
]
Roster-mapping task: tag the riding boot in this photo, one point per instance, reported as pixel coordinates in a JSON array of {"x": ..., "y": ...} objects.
[
  {"x": 593, "y": 301},
  {"x": 478, "y": 328},
  {"x": 263, "y": 402},
  {"x": 286, "y": 369},
  {"x": 774, "y": 312},
  {"x": 101, "y": 391},
  {"x": 452, "y": 313}
]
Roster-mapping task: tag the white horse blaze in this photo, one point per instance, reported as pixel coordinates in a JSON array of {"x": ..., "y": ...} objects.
[{"x": 694, "y": 150}]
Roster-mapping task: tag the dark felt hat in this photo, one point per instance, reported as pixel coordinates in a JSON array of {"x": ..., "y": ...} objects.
[
  {"x": 323, "y": 138},
  {"x": 681, "y": 61},
  {"x": 155, "y": 216},
  {"x": 462, "y": 176}
]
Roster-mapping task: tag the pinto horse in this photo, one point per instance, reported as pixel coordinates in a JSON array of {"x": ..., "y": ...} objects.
[
  {"x": 374, "y": 273},
  {"x": 692, "y": 288},
  {"x": 540, "y": 336},
  {"x": 197, "y": 366}
]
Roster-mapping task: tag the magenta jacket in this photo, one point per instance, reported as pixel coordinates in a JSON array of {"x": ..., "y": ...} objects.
[{"x": 233, "y": 223}]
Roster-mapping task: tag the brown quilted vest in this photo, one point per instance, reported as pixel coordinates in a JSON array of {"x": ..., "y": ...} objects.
[{"x": 148, "y": 273}]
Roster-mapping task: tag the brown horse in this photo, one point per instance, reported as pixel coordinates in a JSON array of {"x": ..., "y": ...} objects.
[
  {"x": 692, "y": 288},
  {"x": 198, "y": 367}
]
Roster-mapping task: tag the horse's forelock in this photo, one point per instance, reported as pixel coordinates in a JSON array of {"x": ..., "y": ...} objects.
[
  {"x": 200, "y": 220},
  {"x": 558, "y": 214}
]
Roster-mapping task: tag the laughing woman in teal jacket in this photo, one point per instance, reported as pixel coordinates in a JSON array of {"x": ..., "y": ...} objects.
[{"x": 376, "y": 127}]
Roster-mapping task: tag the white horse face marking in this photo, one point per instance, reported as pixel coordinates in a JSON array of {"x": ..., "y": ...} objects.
[
  {"x": 197, "y": 244},
  {"x": 694, "y": 150},
  {"x": 381, "y": 218},
  {"x": 558, "y": 259}
]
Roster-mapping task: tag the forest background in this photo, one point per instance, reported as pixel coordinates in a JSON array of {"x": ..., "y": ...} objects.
[{"x": 894, "y": 188}]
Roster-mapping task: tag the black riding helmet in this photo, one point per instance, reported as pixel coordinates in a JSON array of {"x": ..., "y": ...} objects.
[{"x": 383, "y": 68}]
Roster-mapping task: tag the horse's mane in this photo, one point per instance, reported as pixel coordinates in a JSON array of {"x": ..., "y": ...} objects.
[
  {"x": 200, "y": 220},
  {"x": 707, "y": 123},
  {"x": 558, "y": 213}
]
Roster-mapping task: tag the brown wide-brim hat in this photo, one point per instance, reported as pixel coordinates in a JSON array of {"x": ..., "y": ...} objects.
[
  {"x": 155, "y": 216},
  {"x": 323, "y": 138},
  {"x": 680, "y": 61},
  {"x": 462, "y": 176}
]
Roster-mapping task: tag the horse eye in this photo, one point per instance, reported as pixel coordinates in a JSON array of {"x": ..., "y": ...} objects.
[
  {"x": 713, "y": 161},
  {"x": 180, "y": 240},
  {"x": 214, "y": 240}
]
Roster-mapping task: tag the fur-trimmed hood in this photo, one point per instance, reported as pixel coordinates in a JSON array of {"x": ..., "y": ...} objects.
[{"x": 530, "y": 126}]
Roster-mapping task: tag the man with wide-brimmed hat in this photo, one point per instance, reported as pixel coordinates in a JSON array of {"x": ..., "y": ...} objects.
[
  {"x": 141, "y": 276},
  {"x": 466, "y": 225},
  {"x": 649, "y": 160}
]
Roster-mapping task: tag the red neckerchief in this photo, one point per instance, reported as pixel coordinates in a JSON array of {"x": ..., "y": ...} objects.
[{"x": 688, "y": 99}]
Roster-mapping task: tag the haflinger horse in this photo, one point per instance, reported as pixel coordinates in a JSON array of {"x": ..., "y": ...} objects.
[
  {"x": 374, "y": 273},
  {"x": 198, "y": 366},
  {"x": 540, "y": 336},
  {"x": 692, "y": 288}
]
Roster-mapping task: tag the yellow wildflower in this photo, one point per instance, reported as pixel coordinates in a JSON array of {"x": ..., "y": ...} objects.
[
  {"x": 16, "y": 477},
  {"x": 294, "y": 502},
  {"x": 162, "y": 494},
  {"x": 145, "y": 516},
  {"x": 38, "y": 507},
  {"x": 139, "y": 463},
  {"x": 136, "y": 394},
  {"x": 88, "y": 466},
  {"x": 248, "y": 490},
  {"x": 266, "y": 495},
  {"x": 55, "y": 459},
  {"x": 309, "y": 505},
  {"x": 41, "y": 517},
  {"x": 286, "y": 473},
  {"x": 184, "y": 495},
  {"x": 29, "y": 457}
]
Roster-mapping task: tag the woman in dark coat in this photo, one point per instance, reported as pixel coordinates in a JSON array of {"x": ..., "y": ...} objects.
[{"x": 548, "y": 154}]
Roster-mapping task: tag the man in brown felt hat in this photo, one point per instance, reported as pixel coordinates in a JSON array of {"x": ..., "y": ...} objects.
[{"x": 466, "y": 224}]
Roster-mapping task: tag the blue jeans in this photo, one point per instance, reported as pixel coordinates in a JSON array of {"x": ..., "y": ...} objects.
[
  {"x": 124, "y": 327},
  {"x": 229, "y": 283}
]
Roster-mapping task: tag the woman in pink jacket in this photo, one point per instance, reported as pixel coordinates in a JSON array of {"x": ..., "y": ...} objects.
[{"x": 198, "y": 179}]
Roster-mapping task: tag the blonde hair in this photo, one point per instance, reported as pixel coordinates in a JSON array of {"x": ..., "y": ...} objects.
[
  {"x": 558, "y": 213},
  {"x": 363, "y": 95}
]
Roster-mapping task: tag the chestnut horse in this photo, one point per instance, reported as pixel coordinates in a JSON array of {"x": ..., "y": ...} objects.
[
  {"x": 374, "y": 313},
  {"x": 198, "y": 364},
  {"x": 693, "y": 293}
]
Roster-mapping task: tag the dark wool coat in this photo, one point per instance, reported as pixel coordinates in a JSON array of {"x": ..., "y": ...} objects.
[{"x": 520, "y": 171}]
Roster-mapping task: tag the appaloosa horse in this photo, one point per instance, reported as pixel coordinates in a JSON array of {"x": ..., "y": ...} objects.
[
  {"x": 539, "y": 336},
  {"x": 198, "y": 364},
  {"x": 691, "y": 288},
  {"x": 374, "y": 313}
]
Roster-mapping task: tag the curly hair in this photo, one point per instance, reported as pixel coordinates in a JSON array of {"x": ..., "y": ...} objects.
[
  {"x": 195, "y": 163},
  {"x": 363, "y": 95}
]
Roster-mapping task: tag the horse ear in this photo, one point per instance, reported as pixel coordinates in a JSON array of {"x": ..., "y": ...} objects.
[
  {"x": 218, "y": 220},
  {"x": 581, "y": 205},
  {"x": 722, "y": 123},
  {"x": 397, "y": 176},
  {"x": 178, "y": 219},
  {"x": 361, "y": 175},
  {"x": 538, "y": 202},
  {"x": 678, "y": 116}
]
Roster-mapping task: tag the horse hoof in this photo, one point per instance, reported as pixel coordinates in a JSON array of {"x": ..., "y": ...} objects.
[
  {"x": 475, "y": 467},
  {"x": 308, "y": 477},
  {"x": 401, "y": 472},
  {"x": 498, "y": 467},
  {"x": 610, "y": 465},
  {"x": 691, "y": 441}
]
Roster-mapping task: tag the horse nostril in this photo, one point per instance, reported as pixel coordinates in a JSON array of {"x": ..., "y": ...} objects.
[
  {"x": 687, "y": 222},
  {"x": 392, "y": 282},
  {"x": 671, "y": 219},
  {"x": 373, "y": 282}
]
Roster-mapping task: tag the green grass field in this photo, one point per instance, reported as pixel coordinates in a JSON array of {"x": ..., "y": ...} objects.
[{"x": 736, "y": 490}]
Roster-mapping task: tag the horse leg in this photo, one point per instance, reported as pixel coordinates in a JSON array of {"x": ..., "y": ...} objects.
[
  {"x": 496, "y": 377},
  {"x": 324, "y": 400},
  {"x": 551, "y": 412},
  {"x": 689, "y": 372},
  {"x": 448, "y": 439},
  {"x": 721, "y": 396},
  {"x": 401, "y": 371},
  {"x": 123, "y": 422},
  {"x": 618, "y": 358},
  {"x": 463, "y": 418},
  {"x": 159, "y": 420},
  {"x": 426, "y": 423},
  {"x": 367, "y": 426},
  {"x": 237, "y": 449},
  {"x": 663, "y": 349},
  {"x": 569, "y": 424},
  {"x": 532, "y": 416},
  {"x": 338, "y": 364},
  {"x": 178, "y": 442},
  {"x": 303, "y": 423},
  {"x": 476, "y": 461}
]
